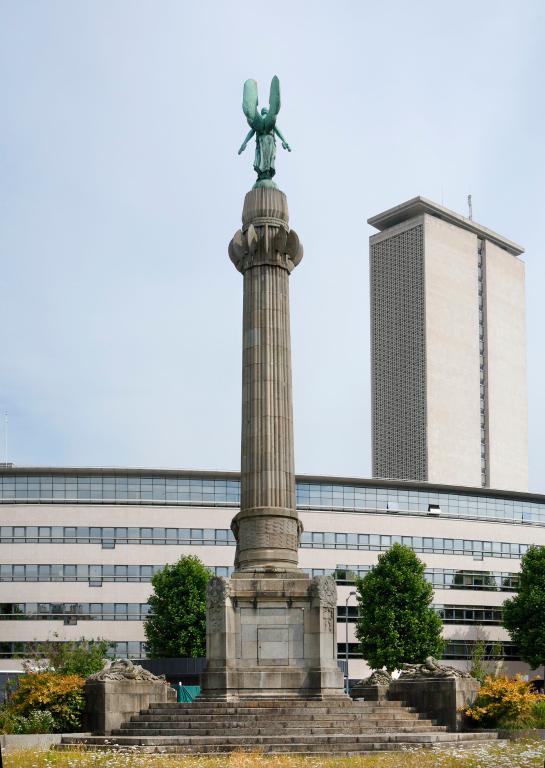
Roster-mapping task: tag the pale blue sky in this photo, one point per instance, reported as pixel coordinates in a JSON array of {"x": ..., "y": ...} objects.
[{"x": 121, "y": 188}]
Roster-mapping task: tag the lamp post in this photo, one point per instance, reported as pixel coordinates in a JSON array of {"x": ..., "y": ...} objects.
[{"x": 350, "y": 594}]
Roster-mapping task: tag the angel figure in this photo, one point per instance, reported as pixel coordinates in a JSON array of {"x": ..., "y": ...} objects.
[{"x": 264, "y": 127}]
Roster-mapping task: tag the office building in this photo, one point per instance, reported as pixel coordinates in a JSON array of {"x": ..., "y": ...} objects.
[
  {"x": 78, "y": 548},
  {"x": 448, "y": 350}
]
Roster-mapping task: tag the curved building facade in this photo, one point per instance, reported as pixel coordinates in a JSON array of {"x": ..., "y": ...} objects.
[{"x": 78, "y": 548}]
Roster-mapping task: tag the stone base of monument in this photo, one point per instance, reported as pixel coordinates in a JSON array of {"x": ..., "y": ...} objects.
[
  {"x": 369, "y": 692},
  {"x": 438, "y": 698},
  {"x": 271, "y": 635},
  {"x": 286, "y": 722},
  {"x": 373, "y": 688},
  {"x": 120, "y": 691},
  {"x": 296, "y": 726}
]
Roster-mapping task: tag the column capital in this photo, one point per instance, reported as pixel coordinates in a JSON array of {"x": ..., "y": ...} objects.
[
  {"x": 267, "y": 243},
  {"x": 265, "y": 237}
]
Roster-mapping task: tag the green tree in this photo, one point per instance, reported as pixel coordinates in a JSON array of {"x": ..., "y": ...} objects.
[
  {"x": 176, "y": 625},
  {"x": 397, "y": 623},
  {"x": 524, "y": 614}
]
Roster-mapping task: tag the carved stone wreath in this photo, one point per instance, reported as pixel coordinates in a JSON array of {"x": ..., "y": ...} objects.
[
  {"x": 430, "y": 669},
  {"x": 124, "y": 669},
  {"x": 378, "y": 677},
  {"x": 325, "y": 589}
]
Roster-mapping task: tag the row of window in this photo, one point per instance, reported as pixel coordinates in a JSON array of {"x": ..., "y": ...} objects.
[
  {"x": 94, "y": 574},
  {"x": 109, "y": 537},
  {"x": 131, "y": 649},
  {"x": 178, "y": 489},
  {"x": 462, "y": 650},
  {"x": 73, "y": 612},
  {"x": 440, "y": 578},
  {"x": 134, "y": 649},
  {"x": 436, "y": 545},
  {"x": 449, "y": 614}
]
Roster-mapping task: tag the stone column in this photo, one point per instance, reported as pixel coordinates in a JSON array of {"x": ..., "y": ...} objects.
[
  {"x": 267, "y": 527},
  {"x": 271, "y": 630}
]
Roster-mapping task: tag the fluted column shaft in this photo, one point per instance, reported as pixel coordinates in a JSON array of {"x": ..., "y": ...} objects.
[{"x": 267, "y": 527}]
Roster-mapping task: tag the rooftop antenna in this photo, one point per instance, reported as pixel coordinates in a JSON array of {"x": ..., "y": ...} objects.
[
  {"x": 6, "y": 438},
  {"x": 470, "y": 206}
]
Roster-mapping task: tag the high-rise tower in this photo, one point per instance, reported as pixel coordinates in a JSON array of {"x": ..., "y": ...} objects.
[{"x": 448, "y": 350}]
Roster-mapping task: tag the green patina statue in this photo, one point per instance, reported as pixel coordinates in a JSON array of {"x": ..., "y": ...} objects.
[{"x": 264, "y": 127}]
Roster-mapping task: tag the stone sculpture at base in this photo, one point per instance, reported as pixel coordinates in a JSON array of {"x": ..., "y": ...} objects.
[
  {"x": 119, "y": 691},
  {"x": 271, "y": 629},
  {"x": 373, "y": 688},
  {"x": 437, "y": 690}
]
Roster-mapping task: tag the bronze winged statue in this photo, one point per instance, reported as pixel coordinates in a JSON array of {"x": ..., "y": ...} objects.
[{"x": 264, "y": 127}]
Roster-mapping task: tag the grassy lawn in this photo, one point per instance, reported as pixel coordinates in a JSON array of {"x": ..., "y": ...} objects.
[{"x": 529, "y": 754}]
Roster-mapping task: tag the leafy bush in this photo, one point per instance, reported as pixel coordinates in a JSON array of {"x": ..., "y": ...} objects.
[
  {"x": 9, "y": 721},
  {"x": 503, "y": 702},
  {"x": 482, "y": 660},
  {"x": 38, "y": 721},
  {"x": 76, "y": 657},
  {"x": 537, "y": 715},
  {"x": 60, "y": 695}
]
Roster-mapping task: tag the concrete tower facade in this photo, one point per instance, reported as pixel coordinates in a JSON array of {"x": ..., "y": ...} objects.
[{"x": 448, "y": 346}]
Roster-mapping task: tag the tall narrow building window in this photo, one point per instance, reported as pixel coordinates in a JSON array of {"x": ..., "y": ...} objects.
[{"x": 481, "y": 270}]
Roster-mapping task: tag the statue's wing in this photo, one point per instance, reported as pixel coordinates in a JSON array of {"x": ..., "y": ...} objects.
[
  {"x": 249, "y": 104},
  {"x": 274, "y": 104}
]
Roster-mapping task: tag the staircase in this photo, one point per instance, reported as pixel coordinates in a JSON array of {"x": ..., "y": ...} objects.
[{"x": 342, "y": 727}]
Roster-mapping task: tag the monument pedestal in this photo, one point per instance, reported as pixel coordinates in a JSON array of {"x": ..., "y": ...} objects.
[{"x": 271, "y": 635}]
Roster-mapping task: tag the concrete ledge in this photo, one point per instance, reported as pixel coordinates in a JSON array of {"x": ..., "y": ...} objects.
[
  {"x": 109, "y": 703},
  {"x": 525, "y": 733},
  {"x": 440, "y": 698},
  {"x": 39, "y": 742}
]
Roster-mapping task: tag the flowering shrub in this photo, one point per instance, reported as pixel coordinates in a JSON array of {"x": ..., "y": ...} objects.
[
  {"x": 537, "y": 715},
  {"x": 60, "y": 695},
  {"x": 38, "y": 721},
  {"x": 503, "y": 702}
]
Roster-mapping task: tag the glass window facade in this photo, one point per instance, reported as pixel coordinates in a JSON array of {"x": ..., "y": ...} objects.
[
  {"x": 122, "y": 649},
  {"x": 440, "y": 578},
  {"x": 73, "y": 612},
  {"x": 449, "y": 614},
  {"x": 94, "y": 574},
  {"x": 171, "y": 489},
  {"x": 377, "y": 543},
  {"x": 108, "y": 538},
  {"x": 462, "y": 650}
]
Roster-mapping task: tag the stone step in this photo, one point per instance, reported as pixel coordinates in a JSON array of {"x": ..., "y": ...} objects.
[
  {"x": 277, "y": 717},
  {"x": 289, "y": 711},
  {"x": 341, "y": 723},
  {"x": 426, "y": 737},
  {"x": 278, "y": 731},
  {"x": 347, "y": 746},
  {"x": 299, "y": 722},
  {"x": 273, "y": 703}
]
